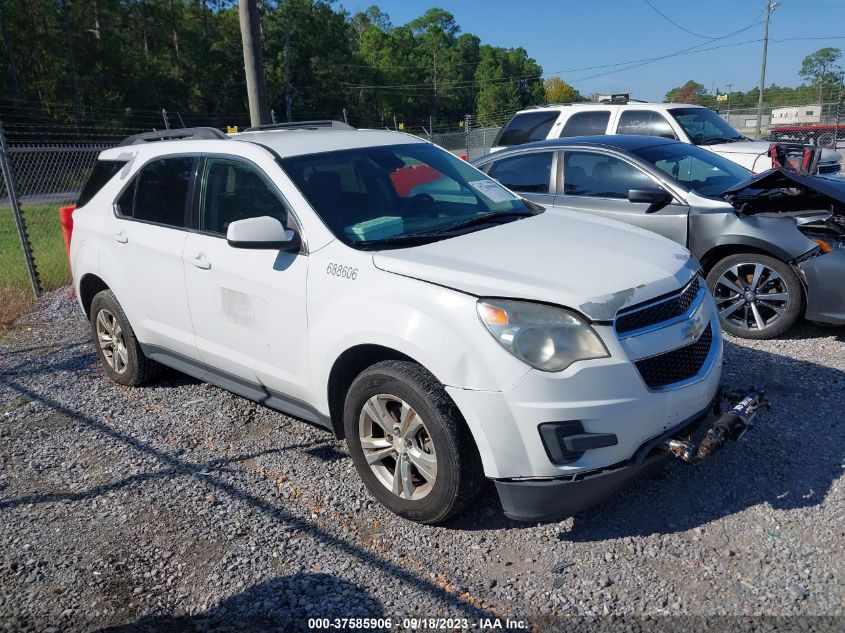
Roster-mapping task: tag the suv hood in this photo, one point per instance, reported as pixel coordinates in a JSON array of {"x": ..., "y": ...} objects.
[
  {"x": 782, "y": 190},
  {"x": 571, "y": 259}
]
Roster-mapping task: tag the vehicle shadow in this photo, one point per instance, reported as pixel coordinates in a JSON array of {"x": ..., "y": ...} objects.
[
  {"x": 789, "y": 460},
  {"x": 282, "y": 604},
  {"x": 809, "y": 330}
]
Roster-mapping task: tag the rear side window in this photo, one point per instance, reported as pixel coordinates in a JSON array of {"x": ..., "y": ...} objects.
[
  {"x": 159, "y": 192},
  {"x": 644, "y": 123},
  {"x": 104, "y": 170},
  {"x": 527, "y": 127},
  {"x": 586, "y": 123},
  {"x": 528, "y": 173}
]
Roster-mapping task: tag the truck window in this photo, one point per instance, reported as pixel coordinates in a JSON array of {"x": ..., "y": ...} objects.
[
  {"x": 586, "y": 123},
  {"x": 644, "y": 123},
  {"x": 527, "y": 127}
]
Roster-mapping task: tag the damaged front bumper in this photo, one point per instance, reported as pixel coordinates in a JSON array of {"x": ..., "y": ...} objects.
[
  {"x": 824, "y": 277},
  {"x": 555, "y": 498}
]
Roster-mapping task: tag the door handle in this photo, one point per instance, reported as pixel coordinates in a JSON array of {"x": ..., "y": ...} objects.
[
  {"x": 120, "y": 237},
  {"x": 201, "y": 261}
]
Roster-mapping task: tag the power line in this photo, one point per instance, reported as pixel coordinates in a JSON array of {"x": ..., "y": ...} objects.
[{"x": 683, "y": 28}]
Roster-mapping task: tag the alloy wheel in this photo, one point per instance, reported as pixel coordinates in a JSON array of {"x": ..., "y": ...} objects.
[
  {"x": 111, "y": 341},
  {"x": 751, "y": 296},
  {"x": 397, "y": 446}
]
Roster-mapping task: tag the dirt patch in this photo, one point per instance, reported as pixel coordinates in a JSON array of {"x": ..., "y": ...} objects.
[{"x": 14, "y": 303}]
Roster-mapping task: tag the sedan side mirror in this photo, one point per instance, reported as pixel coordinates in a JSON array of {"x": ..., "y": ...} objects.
[
  {"x": 655, "y": 197},
  {"x": 262, "y": 232}
]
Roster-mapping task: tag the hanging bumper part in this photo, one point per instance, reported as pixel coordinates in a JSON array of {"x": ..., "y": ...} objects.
[{"x": 729, "y": 426}]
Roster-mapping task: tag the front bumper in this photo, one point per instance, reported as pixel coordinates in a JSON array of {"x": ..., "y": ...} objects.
[
  {"x": 825, "y": 279},
  {"x": 539, "y": 500},
  {"x": 605, "y": 396}
]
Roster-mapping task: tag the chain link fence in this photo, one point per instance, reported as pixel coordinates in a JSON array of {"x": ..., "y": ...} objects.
[{"x": 45, "y": 177}]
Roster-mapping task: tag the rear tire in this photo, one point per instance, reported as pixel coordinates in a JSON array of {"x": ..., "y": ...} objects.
[
  {"x": 119, "y": 350},
  {"x": 753, "y": 290},
  {"x": 409, "y": 442}
]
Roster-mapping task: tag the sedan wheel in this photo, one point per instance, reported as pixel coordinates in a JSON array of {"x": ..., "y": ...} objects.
[
  {"x": 397, "y": 446},
  {"x": 756, "y": 296}
]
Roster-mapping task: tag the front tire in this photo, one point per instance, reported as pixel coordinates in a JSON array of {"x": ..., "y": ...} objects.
[
  {"x": 119, "y": 350},
  {"x": 409, "y": 442},
  {"x": 757, "y": 296}
]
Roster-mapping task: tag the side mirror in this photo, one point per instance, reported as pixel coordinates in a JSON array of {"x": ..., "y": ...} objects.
[
  {"x": 262, "y": 232},
  {"x": 655, "y": 197}
]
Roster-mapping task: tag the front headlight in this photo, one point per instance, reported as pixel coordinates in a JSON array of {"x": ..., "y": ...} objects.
[{"x": 545, "y": 337}]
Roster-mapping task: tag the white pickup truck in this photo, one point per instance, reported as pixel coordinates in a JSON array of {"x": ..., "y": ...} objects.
[{"x": 687, "y": 123}]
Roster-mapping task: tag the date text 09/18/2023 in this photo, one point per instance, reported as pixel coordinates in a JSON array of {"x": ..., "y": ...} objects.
[{"x": 418, "y": 623}]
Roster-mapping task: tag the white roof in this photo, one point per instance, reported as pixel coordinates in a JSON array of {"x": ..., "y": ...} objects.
[
  {"x": 284, "y": 142},
  {"x": 557, "y": 107},
  {"x": 296, "y": 142}
]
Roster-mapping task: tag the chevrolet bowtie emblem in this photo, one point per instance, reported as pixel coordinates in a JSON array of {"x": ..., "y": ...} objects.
[{"x": 693, "y": 329}]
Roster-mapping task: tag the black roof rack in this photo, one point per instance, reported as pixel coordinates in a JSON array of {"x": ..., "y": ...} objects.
[
  {"x": 197, "y": 133},
  {"x": 302, "y": 125}
]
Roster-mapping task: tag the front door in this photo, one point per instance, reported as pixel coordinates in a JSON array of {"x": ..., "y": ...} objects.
[{"x": 247, "y": 306}]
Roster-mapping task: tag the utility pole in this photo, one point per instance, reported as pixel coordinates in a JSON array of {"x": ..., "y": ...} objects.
[
  {"x": 288, "y": 99},
  {"x": 434, "y": 110},
  {"x": 770, "y": 7},
  {"x": 730, "y": 88},
  {"x": 256, "y": 89}
]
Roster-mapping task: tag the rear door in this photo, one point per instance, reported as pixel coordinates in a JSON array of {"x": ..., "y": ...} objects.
[
  {"x": 247, "y": 306},
  {"x": 598, "y": 182},
  {"x": 527, "y": 173},
  {"x": 141, "y": 254}
]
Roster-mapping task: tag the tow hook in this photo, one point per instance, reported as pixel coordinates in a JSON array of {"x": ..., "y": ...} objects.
[{"x": 730, "y": 425}]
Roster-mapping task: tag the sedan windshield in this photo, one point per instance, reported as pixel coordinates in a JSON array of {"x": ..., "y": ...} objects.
[
  {"x": 698, "y": 170},
  {"x": 705, "y": 127},
  {"x": 400, "y": 195}
]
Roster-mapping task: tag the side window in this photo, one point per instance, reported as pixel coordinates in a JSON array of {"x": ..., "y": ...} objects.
[
  {"x": 586, "y": 123},
  {"x": 528, "y": 127},
  {"x": 233, "y": 191},
  {"x": 125, "y": 204},
  {"x": 161, "y": 192},
  {"x": 527, "y": 172},
  {"x": 599, "y": 176},
  {"x": 644, "y": 123}
]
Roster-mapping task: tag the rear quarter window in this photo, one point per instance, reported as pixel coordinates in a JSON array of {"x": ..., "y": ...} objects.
[
  {"x": 527, "y": 127},
  {"x": 104, "y": 171}
]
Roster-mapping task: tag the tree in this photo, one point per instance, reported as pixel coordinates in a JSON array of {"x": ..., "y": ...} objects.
[
  {"x": 821, "y": 70},
  {"x": 690, "y": 92},
  {"x": 558, "y": 91}
]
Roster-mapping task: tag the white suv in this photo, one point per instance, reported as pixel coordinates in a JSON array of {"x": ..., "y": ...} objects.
[
  {"x": 375, "y": 284},
  {"x": 687, "y": 123}
]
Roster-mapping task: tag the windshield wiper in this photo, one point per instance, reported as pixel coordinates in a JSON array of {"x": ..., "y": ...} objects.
[
  {"x": 719, "y": 139},
  {"x": 485, "y": 218}
]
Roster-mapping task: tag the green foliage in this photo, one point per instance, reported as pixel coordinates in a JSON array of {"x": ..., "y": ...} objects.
[
  {"x": 820, "y": 68},
  {"x": 130, "y": 58},
  {"x": 558, "y": 91}
]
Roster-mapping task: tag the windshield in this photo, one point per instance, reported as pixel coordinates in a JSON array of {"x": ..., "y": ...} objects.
[
  {"x": 698, "y": 170},
  {"x": 400, "y": 194},
  {"x": 705, "y": 127}
]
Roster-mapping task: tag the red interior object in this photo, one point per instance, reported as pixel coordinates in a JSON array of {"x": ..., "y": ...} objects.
[
  {"x": 66, "y": 218},
  {"x": 406, "y": 178}
]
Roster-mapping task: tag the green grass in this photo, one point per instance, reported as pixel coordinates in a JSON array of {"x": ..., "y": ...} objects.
[{"x": 48, "y": 247}]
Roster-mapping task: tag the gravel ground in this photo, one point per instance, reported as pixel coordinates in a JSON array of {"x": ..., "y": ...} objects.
[{"x": 181, "y": 507}]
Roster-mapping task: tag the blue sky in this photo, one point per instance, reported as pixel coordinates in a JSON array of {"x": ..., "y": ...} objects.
[{"x": 565, "y": 35}]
